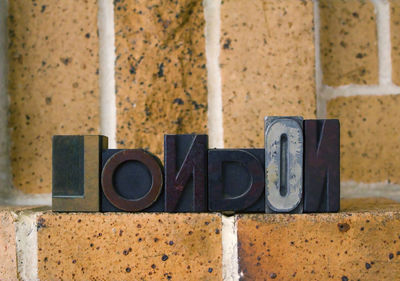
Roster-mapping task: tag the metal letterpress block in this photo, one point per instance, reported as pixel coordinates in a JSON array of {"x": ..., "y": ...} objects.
[
  {"x": 185, "y": 173},
  {"x": 236, "y": 180},
  {"x": 321, "y": 166},
  {"x": 131, "y": 181},
  {"x": 76, "y": 173},
  {"x": 284, "y": 164}
]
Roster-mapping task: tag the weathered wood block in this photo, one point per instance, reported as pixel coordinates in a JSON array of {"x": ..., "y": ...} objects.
[
  {"x": 236, "y": 180},
  {"x": 321, "y": 166},
  {"x": 283, "y": 164},
  {"x": 76, "y": 173},
  {"x": 132, "y": 181},
  {"x": 186, "y": 173}
]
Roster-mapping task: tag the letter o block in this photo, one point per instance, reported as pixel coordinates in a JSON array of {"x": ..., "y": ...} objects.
[{"x": 284, "y": 164}]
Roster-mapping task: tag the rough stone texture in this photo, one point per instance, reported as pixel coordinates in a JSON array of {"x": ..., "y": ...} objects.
[
  {"x": 53, "y": 82},
  {"x": 8, "y": 258},
  {"x": 160, "y": 71},
  {"x": 348, "y": 36},
  {"x": 395, "y": 39},
  {"x": 267, "y": 65},
  {"x": 120, "y": 246},
  {"x": 369, "y": 144},
  {"x": 343, "y": 246}
]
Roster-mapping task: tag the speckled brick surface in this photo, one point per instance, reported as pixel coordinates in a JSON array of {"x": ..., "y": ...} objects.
[
  {"x": 344, "y": 246},
  {"x": 369, "y": 144},
  {"x": 160, "y": 71},
  {"x": 8, "y": 258},
  {"x": 267, "y": 65},
  {"x": 120, "y": 246},
  {"x": 348, "y": 36},
  {"x": 395, "y": 39},
  {"x": 52, "y": 83}
]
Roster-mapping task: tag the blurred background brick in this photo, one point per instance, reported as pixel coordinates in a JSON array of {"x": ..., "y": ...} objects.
[{"x": 348, "y": 36}]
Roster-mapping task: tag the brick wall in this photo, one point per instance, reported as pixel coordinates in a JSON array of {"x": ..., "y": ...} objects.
[
  {"x": 134, "y": 70},
  {"x": 362, "y": 242}
]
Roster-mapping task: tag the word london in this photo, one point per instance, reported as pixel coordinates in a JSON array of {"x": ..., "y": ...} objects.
[{"x": 296, "y": 172}]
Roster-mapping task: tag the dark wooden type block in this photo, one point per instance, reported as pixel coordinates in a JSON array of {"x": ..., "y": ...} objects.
[
  {"x": 132, "y": 181},
  {"x": 284, "y": 164},
  {"x": 321, "y": 166},
  {"x": 185, "y": 159},
  {"x": 236, "y": 180},
  {"x": 76, "y": 173}
]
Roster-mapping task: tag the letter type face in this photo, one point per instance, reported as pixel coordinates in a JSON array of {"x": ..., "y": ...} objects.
[
  {"x": 236, "y": 180},
  {"x": 186, "y": 173},
  {"x": 132, "y": 181},
  {"x": 76, "y": 173},
  {"x": 321, "y": 166},
  {"x": 283, "y": 164}
]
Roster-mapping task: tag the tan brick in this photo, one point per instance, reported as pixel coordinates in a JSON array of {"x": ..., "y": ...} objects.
[
  {"x": 160, "y": 71},
  {"x": 342, "y": 246},
  {"x": 122, "y": 246},
  {"x": 8, "y": 258},
  {"x": 370, "y": 150},
  {"x": 267, "y": 65},
  {"x": 348, "y": 38},
  {"x": 53, "y": 82},
  {"x": 395, "y": 39}
]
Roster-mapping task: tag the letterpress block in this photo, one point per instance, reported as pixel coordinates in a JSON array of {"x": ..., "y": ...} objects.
[
  {"x": 236, "y": 180},
  {"x": 321, "y": 166},
  {"x": 284, "y": 164},
  {"x": 132, "y": 181},
  {"x": 76, "y": 173},
  {"x": 185, "y": 173}
]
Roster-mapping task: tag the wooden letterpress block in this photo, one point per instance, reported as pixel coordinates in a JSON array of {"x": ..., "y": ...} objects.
[
  {"x": 236, "y": 180},
  {"x": 321, "y": 166},
  {"x": 284, "y": 164},
  {"x": 131, "y": 181},
  {"x": 76, "y": 173},
  {"x": 186, "y": 173}
]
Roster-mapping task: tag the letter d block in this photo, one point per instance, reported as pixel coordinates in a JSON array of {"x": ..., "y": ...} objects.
[
  {"x": 283, "y": 164},
  {"x": 76, "y": 173}
]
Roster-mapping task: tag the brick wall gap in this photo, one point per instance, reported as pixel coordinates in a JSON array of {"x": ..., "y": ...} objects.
[
  {"x": 5, "y": 170},
  {"x": 351, "y": 189},
  {"x": 27, "y": 245},
  {"x": 213, "y": 33},
  {"x": 321, "y": 102},
  {"x": 230, "y": 262},
  {"x": 382, "y": 11},
  {"x": 108, "y": 110}
]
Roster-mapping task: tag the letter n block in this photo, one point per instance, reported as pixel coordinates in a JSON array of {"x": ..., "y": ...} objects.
[
  {"x": 321, "y": 166},
  {"x": 186, "y": 173}
]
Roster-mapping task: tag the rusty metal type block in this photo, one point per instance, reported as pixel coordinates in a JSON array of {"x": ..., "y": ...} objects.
[
  {"x": 283, "y": 164},
  {"x": 321, "y": 166},
  {"x": 132, "y": 181},
  {"x": 236, "y": 180},
  {"x": 76, "y": 173},
  {"x": 185, "y": 158}
]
